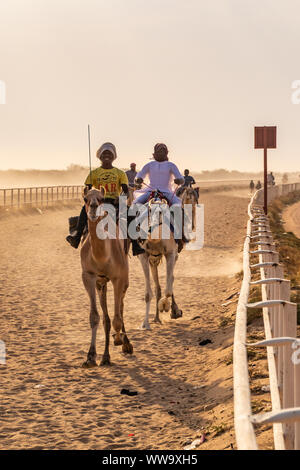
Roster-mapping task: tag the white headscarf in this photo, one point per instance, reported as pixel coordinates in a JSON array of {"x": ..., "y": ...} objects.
[{"x": 107, "y": 146}]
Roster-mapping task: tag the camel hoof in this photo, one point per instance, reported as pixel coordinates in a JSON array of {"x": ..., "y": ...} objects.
[
  {"x": 127, "y": 348},
  {"x": 117, "y": 340},
  {"x": 164, "y": 304},
  {"x": 157, "y": 320},
  {"x": 105, "y": 361},
  {"x": 89, "y": 364},
  {"x": 176, "y": 314},
  {"x": 145, "y": 326}
]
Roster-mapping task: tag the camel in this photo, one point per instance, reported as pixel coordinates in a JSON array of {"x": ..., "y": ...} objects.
[
  {"x": 103, "y": 260},
  {"x": 155, "y": 248},
  {"x": 189, "y": 196}
]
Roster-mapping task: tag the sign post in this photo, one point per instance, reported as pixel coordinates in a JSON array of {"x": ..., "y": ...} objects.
[{"x": 265, "y": 137}]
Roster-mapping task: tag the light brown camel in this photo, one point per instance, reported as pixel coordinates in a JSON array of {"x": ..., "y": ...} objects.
[
  {"x": 104, "y": 260},
  {"x": 155, "y": 248},
  {"x": 189, "y": 196}
]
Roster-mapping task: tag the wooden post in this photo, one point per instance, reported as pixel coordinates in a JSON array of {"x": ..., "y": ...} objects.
[
  {"x": 18, "y": 197},
  {"x": 4, "y": 198},
  {"x": 265, "y": 171}
]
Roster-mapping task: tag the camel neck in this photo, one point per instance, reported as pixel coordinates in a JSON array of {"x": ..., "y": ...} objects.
[{"x": 99, "y": 247}]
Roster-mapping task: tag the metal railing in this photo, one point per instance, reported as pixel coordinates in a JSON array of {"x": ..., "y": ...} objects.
[
  {"x": 280, "y": 324},
  {"x": 38, "y": 196}
]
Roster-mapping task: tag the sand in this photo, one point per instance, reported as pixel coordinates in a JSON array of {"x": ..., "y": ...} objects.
[{"x": 49, "y": 402}]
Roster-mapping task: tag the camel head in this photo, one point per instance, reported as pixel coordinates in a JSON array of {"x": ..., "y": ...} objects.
[
  {"x": 188, "y": 196},
  {"x": 93, "y": 200}
]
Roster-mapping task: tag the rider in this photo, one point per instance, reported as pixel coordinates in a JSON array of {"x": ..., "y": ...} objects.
[
  {"x": 188, "y": 179},
  {"x": 131, "y": 174},
  {"x": 112, "y": 179},
  {"x": 161, "y": 172}
]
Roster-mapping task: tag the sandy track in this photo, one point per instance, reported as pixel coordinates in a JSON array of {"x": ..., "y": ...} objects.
[{"x": 48, "y": 401}]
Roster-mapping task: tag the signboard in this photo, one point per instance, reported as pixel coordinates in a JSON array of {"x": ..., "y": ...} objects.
[{"x": 259, "y": 137}]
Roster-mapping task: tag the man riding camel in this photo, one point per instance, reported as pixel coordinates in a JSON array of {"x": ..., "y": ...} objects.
[
  {"x": 112, "y": 179},
  {"x": 131, "y": 174},
  {"x": 188, "y": 181},
  {"x": 161, "y": 173}
]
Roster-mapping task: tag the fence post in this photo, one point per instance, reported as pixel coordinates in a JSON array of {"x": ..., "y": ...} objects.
[
  {"x": 284, "y": 295},
  {"x": 289, "y": 329},
  {"x": 296, "y": 360}
]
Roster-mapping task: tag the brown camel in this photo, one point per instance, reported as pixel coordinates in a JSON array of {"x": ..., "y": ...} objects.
[
  {"x": 189, "y": 196},
  {"x": 104, "y": 260},
  {"x": 155, "y": 248}
]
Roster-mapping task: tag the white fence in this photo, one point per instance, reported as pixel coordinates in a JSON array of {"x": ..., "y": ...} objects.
[
  {"x": 38, "y": 196},
  {"x": 280, "y": 324}
]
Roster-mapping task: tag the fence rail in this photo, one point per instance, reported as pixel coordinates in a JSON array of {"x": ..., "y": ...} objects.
[
  {"x": 38, "y": 196},
  {"x": 281, "y": 343}
]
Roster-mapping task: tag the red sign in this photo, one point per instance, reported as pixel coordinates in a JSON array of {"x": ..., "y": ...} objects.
[{"x": 265, "y": 137}]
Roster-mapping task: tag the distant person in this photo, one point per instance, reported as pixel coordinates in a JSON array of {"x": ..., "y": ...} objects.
[
  {"x": 258, "y": 185},
  {"x": 131, "y": 174},
  {"x": 273, "y": 178},
  {"x": 252, "y": 185},
  {"x": 188, "y": 181}
]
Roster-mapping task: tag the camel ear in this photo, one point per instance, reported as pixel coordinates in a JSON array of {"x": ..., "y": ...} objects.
[
  {"x": 86, "y": 189},
  {"x": 102, "y": 191}
]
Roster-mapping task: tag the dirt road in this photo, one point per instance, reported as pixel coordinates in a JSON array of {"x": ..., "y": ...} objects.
[{"x": 49, "y": 402}]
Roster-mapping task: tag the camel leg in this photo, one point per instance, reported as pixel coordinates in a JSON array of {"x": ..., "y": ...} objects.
[
  {"x": 120, "y": 338},
  {"x": 154, "y": 271},
  {"x": 127, "y": 347},
  {"x": 102, "y": 291},
  {"x": 175, "y": 310},
  {"x": 164, "y": 304},
  {"x": 89, "y": 281},
  {"x": 148, "y": 292},
  {"x": 193, "y": 216}
]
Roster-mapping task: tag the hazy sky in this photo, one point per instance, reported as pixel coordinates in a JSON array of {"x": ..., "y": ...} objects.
[{"x": 197, "y": 75}]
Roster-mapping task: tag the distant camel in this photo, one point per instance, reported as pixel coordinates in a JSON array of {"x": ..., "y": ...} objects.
[
  {"x": 103, "y": 261},
  {"x": 190, "y": 196},
  {"x": 155, "y": 248}
]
